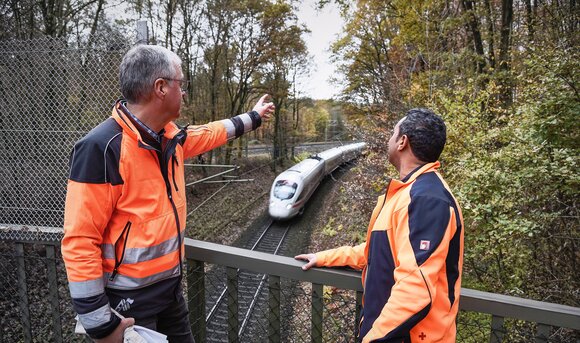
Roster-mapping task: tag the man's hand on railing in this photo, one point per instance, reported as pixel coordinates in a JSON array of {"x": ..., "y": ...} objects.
[{"x": 311, "y": 258}]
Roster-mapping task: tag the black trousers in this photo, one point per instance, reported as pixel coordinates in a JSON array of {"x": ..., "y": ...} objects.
[
  {"x": 173, "y": 322},
  {"x": 160, "y": 307}
]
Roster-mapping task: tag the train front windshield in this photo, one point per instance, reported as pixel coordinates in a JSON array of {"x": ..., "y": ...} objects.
[{"x": 285, "y": 189}]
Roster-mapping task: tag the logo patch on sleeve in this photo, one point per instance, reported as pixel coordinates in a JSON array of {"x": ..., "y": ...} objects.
[{"x": 424, "y": 245}]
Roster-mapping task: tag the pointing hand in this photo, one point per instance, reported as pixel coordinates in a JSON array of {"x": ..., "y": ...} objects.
[{"x": 265, "y": 110}]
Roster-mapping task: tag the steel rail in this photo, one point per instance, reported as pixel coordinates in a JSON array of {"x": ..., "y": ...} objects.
[
  {"x": 256, "y": 294},
  {"x": 223, "y": 293}
]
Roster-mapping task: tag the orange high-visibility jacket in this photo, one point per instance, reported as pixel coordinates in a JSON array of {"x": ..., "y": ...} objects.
[
  {"x": 125, "y": 207},
  {"x": 411, "y": 261}
]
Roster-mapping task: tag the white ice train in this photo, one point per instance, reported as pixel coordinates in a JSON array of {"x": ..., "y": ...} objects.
[{"x": 293, "y": 187}]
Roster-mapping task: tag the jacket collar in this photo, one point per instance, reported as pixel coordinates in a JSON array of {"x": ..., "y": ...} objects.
[
  {"x": 121, "y": 116},
  {"x": 395, "y": 185}
]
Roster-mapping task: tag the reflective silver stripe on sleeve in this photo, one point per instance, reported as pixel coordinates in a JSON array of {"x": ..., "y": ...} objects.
[
  {"x": 230, "y": 128},
  {"x": 98, "y": 317},
  {"x": 126, "y": 282},
  {"x": 136, "y": 255},
  {"x": 247, "y": 120},
  {"x": 85, "y": 289}
]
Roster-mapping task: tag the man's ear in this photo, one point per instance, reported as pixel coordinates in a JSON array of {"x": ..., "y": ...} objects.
[
  {"x": 403, "y": 143},
  {"x": 159, "y": 88}
]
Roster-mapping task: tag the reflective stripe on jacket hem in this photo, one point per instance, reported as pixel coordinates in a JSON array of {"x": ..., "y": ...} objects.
[
  {"x": 127, "y": 282},
  {"x": 136, "y": 255}
]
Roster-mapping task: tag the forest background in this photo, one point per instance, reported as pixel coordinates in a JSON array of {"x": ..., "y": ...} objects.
[{"x": 502, "y": 73}]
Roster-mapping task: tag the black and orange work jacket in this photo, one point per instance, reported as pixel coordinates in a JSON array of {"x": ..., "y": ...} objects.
[
  {"x": 125, "y": 210},
  {"x": 411, "y": 261}
]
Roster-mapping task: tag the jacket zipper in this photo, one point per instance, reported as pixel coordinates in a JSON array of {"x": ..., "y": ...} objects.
[
  {"x": 164, "y": 166},
  {"x": 118, "y": 262},
  {"x": 173, "y": 163}
]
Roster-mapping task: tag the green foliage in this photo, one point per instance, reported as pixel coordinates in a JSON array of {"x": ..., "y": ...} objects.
[
  {"x": 301, "y": 157},
  {"x": 516, "y": 179},
  {"x": 330, "y": 228},
  {"x": 314, "y": 119},
  {"x": 511, "y": 102},
  {"x": 358, "y": 236}
]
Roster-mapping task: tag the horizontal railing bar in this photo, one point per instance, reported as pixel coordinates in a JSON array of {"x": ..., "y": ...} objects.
[
  {"x": 519, "y": 308},
  {"x": 471, "y": 300},
  {"x": 31, "y": 234},
  {"x": 270, "y": 264}
]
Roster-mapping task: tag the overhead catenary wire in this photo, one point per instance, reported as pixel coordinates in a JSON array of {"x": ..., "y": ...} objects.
[
  {"x": 212, "y": 176},
  {"x": 209, "y": 198},
  {"x": 224, "y": 186}
]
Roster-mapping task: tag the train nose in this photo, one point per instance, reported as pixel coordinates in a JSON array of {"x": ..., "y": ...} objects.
[{"x": 279, "y": 209}]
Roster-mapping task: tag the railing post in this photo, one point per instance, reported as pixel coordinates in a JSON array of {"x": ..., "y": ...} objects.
[
  {"x": 53, "y": 292},
  {"x": 317, "y": 308},
  {"x": 497, "y": 329},
  {"x": 274, "y": 306},
  {"x": 542, "y": 333},
  {"x": 357, "y": 311},
  {"x": 23, "y": 293},
  {"x": 196, "y": 298},
  {"x": 232, "y": 290}
]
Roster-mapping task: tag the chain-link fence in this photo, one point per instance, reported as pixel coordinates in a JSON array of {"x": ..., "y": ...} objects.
[
  {"x": 36, "y": 307},
  {"x": 34, "y": 297},
  {"x": 52, "y": 92},
  {"x": 290, "y": 306}
]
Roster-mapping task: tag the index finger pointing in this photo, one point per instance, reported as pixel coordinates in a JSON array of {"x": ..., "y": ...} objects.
[{"x": 263, "y": 98}]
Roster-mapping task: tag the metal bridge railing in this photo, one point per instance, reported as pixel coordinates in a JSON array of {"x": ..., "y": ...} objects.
[
  {"x": 483, "y": 317},
  {"x": 320, "y": 305}
]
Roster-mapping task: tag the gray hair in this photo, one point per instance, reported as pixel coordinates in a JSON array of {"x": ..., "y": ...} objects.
[{"x": 141, "y": 66}]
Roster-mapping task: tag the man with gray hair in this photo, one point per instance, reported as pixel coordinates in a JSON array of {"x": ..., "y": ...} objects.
[{"x": 126, "y": 202}]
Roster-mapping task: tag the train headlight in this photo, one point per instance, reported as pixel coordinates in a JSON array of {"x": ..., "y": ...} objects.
[{"x": 289, "y": 206}]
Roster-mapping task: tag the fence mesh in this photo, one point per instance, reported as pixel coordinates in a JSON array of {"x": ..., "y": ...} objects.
[
  {"x": 36, "y": 307},
  {"x": 34, "y": 297},
  {"x": 52, "y": 92},
  {"x": 338, "y": 315}
]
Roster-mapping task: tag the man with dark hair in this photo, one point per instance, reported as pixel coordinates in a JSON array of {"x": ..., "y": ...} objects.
[
  {"x": 413, "y": 255},
  {"x": 426, "y": 132},
  {"x": 125, "y": 208}
]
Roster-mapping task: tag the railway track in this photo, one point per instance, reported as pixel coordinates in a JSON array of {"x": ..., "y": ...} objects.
[{"x": 252, "y": 293}]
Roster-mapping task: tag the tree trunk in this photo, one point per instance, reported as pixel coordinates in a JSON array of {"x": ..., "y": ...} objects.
[
  {"x": 504, "y": 51},
  {"x": 490, "y": 29},
  {"x": 529, "y": 20},
  {"x": 473, "y": 26}
]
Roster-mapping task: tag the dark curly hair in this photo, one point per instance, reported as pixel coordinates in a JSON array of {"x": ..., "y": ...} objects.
[{"x": 426, "y": 132}]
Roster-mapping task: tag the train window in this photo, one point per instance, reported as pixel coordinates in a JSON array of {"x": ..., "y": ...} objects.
[
  {"x": 304, "y": 192},
  {"x": 285, "y": 189}
]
